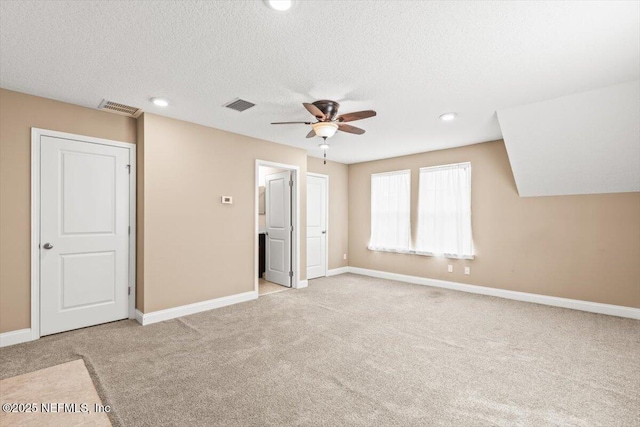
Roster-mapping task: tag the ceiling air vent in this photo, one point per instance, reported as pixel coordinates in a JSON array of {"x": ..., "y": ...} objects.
[
  {"x": 115, "y": 107},
  {"x": 239, "y": 105}
]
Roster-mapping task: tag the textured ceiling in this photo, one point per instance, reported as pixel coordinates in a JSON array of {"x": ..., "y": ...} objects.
[
  {"x": 410, "y": 61},
  {"x": 584, "y": 143}
]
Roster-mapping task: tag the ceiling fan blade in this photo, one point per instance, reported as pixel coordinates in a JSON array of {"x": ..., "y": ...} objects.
[
  {"x": 314, "y": 110},
  {"x": 291, "y": 123},
  {"x": 358, "y": 115},
  {"x": 350, "y": 129},
  {"x": 311, "y": 134}
]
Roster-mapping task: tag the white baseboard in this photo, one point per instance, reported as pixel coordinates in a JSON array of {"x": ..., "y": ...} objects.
[
  {"x": 593, "y": 307},
  {"x": 302, "y": 284},
  {"x": 198, "y": 307},
  {"x": 139, "y": 317},
  {"x": 336, "y": 271},
  {"x": 15, "y": 337}
]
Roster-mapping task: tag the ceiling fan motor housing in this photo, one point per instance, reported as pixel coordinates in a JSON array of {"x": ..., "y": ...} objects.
[{"x": 329, "y": 108}]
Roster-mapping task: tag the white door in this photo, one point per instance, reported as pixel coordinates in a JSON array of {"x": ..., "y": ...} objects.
[
  {"x": 278, "y": 187},
  {"x": 316, "y": 226},
  {"x": 84, "y": 234}
]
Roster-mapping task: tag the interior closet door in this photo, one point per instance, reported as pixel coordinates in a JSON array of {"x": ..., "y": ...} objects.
[
  {"x": 316, "y": 226},
  {"x": 84, "y": 234},
  {"x": 278, "y": 188}
]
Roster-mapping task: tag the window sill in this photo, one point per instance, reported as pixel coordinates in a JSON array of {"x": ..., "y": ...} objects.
[
  {"x": 412, "y": 252},
  {"x": 393, "y": 251}
]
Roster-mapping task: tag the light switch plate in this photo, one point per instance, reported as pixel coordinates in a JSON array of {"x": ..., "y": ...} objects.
[{"x": 450, "y": 268}]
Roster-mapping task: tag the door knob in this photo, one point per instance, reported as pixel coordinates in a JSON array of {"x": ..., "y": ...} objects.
[
  {"x": 48, "y": 246},
  {"x": 324, "y": 231}
]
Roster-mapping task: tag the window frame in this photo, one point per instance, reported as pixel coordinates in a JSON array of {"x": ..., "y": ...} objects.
[
  {"x": 470, "y": 256},
  {"x": 409, "y": 248}
]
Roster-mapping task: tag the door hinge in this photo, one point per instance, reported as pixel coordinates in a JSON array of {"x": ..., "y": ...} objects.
[
  {"x": 291, "y": 228},
  {"x": 291, "y": 183},
  {"x": 291, "y": 274},
  {"x": 129, "y": 168},
  {"x": 129, "y": 230},
  {"x": 129, "y": 290}
]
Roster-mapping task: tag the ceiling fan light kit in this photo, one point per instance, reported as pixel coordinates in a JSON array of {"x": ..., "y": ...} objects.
[
  {"x": 325, "y": 129},
  {"x": 328, "y": 121}
]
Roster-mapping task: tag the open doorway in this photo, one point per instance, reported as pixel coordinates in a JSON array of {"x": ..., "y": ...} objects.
[{"x": 277, "y": 234}]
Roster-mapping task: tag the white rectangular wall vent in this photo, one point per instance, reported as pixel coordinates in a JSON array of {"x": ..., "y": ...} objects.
[
  {"x": 115, "y": 107},
  {"x": 239, "y": 105}
]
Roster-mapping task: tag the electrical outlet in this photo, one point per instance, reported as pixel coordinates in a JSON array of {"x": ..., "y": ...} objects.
[
  {"x": 450, "y": 268},
  {"x": 344, "y": 256},
  {"x": 467, "y": 270}
]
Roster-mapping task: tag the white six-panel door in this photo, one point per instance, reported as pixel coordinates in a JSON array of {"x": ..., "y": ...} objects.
[
  {"x": 316, "y": 226},
  {"x": 278, "y": 226},
  {"x": 84, "y": 234}
]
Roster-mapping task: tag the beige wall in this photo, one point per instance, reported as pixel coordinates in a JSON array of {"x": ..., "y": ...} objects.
[
  {"x": 192, "y": 248},
  {"x": 583, "y": 247},
  {"x": 18, "y": 114},
  {"x": 338, "y": 241},
  {"x": 196, "y": 248}
]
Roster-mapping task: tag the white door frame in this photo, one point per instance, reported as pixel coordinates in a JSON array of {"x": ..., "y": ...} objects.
[
  {"x": 295, "y": 218},
  {"x": 36, "y": 135},
  {"x": 326, "y": 216}
]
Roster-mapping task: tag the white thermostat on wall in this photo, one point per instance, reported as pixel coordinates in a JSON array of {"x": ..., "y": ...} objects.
[{"x": 227, "y": 200}]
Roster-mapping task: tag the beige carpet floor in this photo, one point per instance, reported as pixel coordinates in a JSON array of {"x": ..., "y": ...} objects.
[{"x": 356, "y": 351}]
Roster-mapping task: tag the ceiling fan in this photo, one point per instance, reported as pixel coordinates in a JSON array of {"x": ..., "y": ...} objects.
[
  {"x": 326, "y": 112},
  {"x": 329, "y": 122}
]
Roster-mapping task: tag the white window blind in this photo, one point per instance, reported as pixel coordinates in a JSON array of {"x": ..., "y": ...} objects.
[
  {"x": 391, "y": 211},
  {"x": 444, "y": 211}
]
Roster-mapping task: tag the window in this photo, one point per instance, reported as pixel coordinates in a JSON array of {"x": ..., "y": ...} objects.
[
  {"x": 444, "y": 211},
  {"x": 391, "y": 211}
]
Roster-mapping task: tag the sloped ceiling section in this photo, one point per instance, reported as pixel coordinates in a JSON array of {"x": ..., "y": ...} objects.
[{"x": 586, "y": 143}]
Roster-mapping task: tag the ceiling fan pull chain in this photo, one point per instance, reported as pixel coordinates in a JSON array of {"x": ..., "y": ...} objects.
[{"x": 325, "y": 149}]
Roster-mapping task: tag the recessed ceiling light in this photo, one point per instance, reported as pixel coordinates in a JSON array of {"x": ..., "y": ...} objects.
[
  {"x": 160, "y": 102},
  {"x": 279, "y": 5},
  {"x": 447, "y": 117},
  {"x": 324, "y": 146}
]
